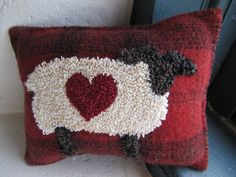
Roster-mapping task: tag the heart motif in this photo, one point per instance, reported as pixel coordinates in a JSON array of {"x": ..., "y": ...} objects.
[{"x": 90, "y": 99}]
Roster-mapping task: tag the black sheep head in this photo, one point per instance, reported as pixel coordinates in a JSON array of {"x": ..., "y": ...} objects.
[{"x": 163, "y": 68}]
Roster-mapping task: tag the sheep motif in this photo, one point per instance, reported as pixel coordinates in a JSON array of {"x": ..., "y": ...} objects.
[{"x": 127, "y": 96}]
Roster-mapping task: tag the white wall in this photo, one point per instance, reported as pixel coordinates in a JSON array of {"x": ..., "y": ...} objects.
[{"x": 48, "y": 13}]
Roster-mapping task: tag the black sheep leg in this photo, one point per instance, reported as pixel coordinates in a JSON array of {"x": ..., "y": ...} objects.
[
  {"x": 130, "y": 145},
  {"x": 64, "y": 141}
]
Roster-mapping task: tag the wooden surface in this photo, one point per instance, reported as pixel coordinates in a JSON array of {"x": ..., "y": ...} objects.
[
  {"x": 168, "y": 8},
  {"x": 227, "y": 36}
]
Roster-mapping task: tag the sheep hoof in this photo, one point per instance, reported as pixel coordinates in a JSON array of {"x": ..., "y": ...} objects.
[
  {"x": 130, "y": 145},
  {"x": 64, "y": 141}
]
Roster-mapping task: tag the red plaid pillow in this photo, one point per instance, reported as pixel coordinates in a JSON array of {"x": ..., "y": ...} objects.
[{"x": 127, "y": 91}]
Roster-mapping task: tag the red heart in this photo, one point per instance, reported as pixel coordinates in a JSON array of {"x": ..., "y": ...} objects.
[{"x": 91, "y": 99}]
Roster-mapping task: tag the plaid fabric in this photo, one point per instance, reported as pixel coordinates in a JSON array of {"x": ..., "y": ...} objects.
[{"x": 182, "y": 138}]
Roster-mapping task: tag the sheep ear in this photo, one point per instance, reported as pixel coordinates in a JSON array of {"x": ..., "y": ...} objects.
[{"x": 187, "y": 68}]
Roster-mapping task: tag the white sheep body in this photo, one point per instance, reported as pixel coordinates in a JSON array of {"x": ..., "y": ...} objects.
[{"x": 137, "y": 110}]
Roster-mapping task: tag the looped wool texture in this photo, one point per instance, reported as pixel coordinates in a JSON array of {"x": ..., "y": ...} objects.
[
  {"x": 136, "y": 110},
  {"x": 64, "y": 141},
  {"x": 181, "y": 140},
  {"x": 92, "y": 92},
  {"x": 130, "y": 145},
  {"x": 91, "y": 98},
  {"x": 163, "y": 68}
]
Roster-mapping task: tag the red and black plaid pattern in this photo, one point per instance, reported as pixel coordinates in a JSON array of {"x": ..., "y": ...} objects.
[{"x": 182, "y": 138}]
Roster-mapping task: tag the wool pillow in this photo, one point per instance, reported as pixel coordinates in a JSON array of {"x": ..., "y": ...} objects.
[{"x": 135, "y": 91}]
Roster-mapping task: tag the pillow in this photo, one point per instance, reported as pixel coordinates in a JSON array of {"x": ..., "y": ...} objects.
[{"x": 136, "y": 91}]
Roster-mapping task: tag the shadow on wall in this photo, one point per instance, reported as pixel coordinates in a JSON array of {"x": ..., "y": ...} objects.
[{"x": 48, "y": 13}]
